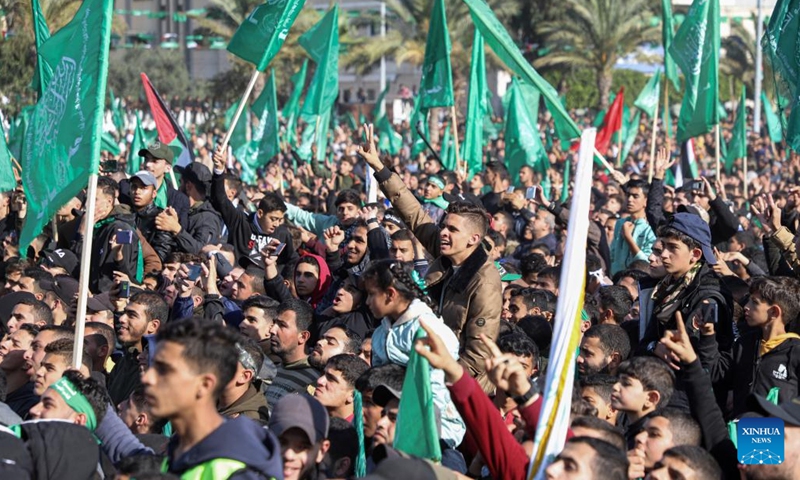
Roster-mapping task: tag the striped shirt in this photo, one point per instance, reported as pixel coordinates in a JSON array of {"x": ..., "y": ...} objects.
[{"x": 297, "y": 377}]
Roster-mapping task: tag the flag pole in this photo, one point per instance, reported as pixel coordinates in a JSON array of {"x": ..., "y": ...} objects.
[
  {"x": 651, "y": 168},
  {"x": 239, "y": 110},
  {"x": 455, "y": 134},
  {"x": 86, "y": 261},
  {"x": 716, "y": 151},
  {"x": 746, "y": 192},
  {"x": 603, "y": 160}
]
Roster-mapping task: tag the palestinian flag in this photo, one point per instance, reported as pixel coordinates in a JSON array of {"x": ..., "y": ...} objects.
[{"x": 169, "y": 132}]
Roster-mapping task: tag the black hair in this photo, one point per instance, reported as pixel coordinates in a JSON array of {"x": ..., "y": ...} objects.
[
  {"x": 234, "y": 182},
  {"x": 271, "y": 202},
  {"x": 538, "y": 329},
  {"x": 104, "y": 330},
  {"x": 354, "y": 340},
  {"x": 612, "y": 338},
  {"x": 344, "y": 444},
  {"x": 601, "y": 383},
  {"x": 403, "y": 235},
  {"x": 667, "y": 232},
  {"x": 697, "y": 459},
  {"x": 518, "y": 344},
  {"x": 653, "y": 373},
  {"x": 351, "y": 366},
  {"x": 498, "y": 168},
  {"x": 3, "y": 386},
  {"x": 157, "y": 277},
  {"x": 61, "y": 331},
  {"x": 685, "y": 429},
  {"x": 390, "y": 374},
  {"x": 617, "y": 299},
  {"x": 92, "y": 390},
  {"x": 398, "y": 275},
  {"x": 496, "y": 238},
  {"x": 207, "y": 346},
  {"x": 65, "y": 347},
  {"x": 551, "y": 272},
  {"x": 607, "y": 458},
  {"x": 136, "y": 466},
  {"x": 474, "y": 215},
  {"x": 532, "y": 263},
  {"x": 637, "y": 183},
  {"x": 41, "y": 312},
  {"x": 348, "y": 196},
  {"x": 605, "y": 431},
  {"x": 780, "y": 291},
  {"x": 745, "y": 238},
  {"x": 32, "y": 330},
  {"x": 536, "y": 297},
  {"x": 38, "y": 275},
  {"x": 107, "y": 186},
  {"x": 156, "y": 307},
  {"x": 309, "y": 260},
  {"x": 263, "y": 302},
  {"x": 634, "y": 274},
  {"x": 303, "y": 313}
]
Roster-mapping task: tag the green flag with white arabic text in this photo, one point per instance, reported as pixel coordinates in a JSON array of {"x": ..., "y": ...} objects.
[
  {"x": 667, "y": 32},
  {"x": 436, "y": 85},
  {"x": 62, "y": 142},
  {"x": 479, "y": 107},
  {"x": 41, "y": 32},
  {"x": 261, "y": 35},
  {"x": 7, "y": 180},
  {"x": 322, "y": 43},
  {"x": 291, "y": 110}
]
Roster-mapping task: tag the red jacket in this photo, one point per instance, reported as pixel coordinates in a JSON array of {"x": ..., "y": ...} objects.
[{"x": 487, "y": 430}]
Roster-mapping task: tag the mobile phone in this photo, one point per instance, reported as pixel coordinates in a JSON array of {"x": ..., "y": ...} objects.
[
  {"x": 708, "y": 313},
  {"x": 510, "y": 190},
  {"x": 194, "y": 272},
  {"x": 530, "y": 193},
  {"x": 125, "y": 237},
  {"x": 278, "y": 249},
  {"x": 110, "y": 165},
  {"x": 124, "y": 289},
  {"x": 698, "y": 186}
]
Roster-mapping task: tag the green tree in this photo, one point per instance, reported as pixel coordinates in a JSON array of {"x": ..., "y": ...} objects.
[
  {"x": 595, "y": 34},
  {"x": 165, "y": 68},
  {"x": 739, "y": 60}
]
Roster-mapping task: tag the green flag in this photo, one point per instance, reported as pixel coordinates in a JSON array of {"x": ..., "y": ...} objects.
[
  {"x": 448, "y": 152},
  {"x": 781, "y": 42},
  {"x": 16, "y": 135},
  {"x": 43, "y": 72},
  {"x": 266, "y": 135},
  {"x": 773, "y": 122},
  {"x": 109, "y": 144},
  {"x": 139, "y": 142},
  {"x": 7, "y": 180},
  {"x": 667, "y": 31},
  {"x": 648, "y": 98},
  {"x": 565, "y": 183},
  {"x": 418, "y": 117},
  {"x": 116, "y": 114},
  {"x": 723, "y": 114},
  {"x": 737, "y": 148},
  {"x": 506, "y": 49},
  {"x": 630, "y": 134},
  {"x": 696, "y": 49},
  {"x": 436, "y": 85},
  {"x": 262, "y": 33},
  {"x": 479, "y": 108},
  {"x": 322, "y": 44},
  {"x": 415, "y": 431},
  {"x": 378, "y": 111},
  {"x": 523, "y": 143},
  {"x": 388, "y": 140},
  {"x": 62, "y": 142},
  {"x": 292, "y": 108},
  {"x": 239, "y": 135}
]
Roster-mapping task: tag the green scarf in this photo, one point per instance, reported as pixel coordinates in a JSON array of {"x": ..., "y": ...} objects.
[
  {"x": 161, "y": 194},
  {"x": 438, "y": 201},
  {"x": 76, "y": 400}
]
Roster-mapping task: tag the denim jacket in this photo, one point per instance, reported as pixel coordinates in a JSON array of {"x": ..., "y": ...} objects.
[{"x": 392, "y": 343}]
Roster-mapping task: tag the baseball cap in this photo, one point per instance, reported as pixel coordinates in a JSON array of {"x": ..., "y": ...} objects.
[
  {"x": 99, "y": 303},
  {"x": 300, "y": 411},
  {"x": 196, "y": 173},
  {"x": 383, "y": 393},
  {"x": 63, "y": 258},
  {"x": 147, "y": 178},
  {"x": 694, "y": 226},
  {"x": 158, "y": 150},
  {"x": 253, "y": 264},
  {"x": 463, "y": 197},
  {"x": 392, "y": 217},
  {"x": 788, "y": 411},
  {"x": 63, "y": 286},
  {"x": 505, "y": 275},
  {"x": 696, "y": 209}
]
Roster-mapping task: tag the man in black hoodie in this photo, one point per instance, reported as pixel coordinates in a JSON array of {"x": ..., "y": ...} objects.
[
  {"x": 143, "y": 195},
  {"x": 204, "y": 224},
  {"x": 193, "y": 362}
]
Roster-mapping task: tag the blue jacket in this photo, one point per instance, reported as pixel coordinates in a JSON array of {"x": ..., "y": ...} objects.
[
  {"x": 644, "y": 237},
  {"x": 392, "y": 343}
]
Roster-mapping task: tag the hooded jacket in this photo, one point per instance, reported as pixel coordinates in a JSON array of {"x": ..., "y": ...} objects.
[
  {"x": 161, "y": 241},
  {"x": 275, "y": 288},
  {"x": 253, "y": 405},
  {"x": 239, "y": 439},
  {"x": 745, "y": 371},
  {"x": 203, "y": 227}
]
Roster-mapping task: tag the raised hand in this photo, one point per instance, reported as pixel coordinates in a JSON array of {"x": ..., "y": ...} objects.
[
  {"x": 220, "y": 158},
  {"x": 334, "y": 236},
  {"x": 678, "y": 343},
  {"x": 662, "y": 163},
  {"x": 505, "y": 371},
  {"x": 369, "y": 150}
]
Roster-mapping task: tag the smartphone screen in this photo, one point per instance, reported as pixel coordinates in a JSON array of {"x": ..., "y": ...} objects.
[
  {"x": 278, "y": 249},
  {"x": 194, "y": 272},
  {"x": 530, "y": 193},
  {"x": 125, "y": 237},
  {"x": 709, "y": 313}
]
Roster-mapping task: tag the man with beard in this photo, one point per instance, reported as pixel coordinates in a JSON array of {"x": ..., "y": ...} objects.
[
  {"x": 603, "y": 348},
  {"x": 336, "y": 340},
  {"x": 13, "y": 364},
  {"x": 143, "y": 315}
]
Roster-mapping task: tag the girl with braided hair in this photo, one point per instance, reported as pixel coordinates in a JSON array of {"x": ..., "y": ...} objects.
[{"x": 396, "y": 294}]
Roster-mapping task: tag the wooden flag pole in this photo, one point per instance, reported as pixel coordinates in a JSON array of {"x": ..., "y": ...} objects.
[
  {"x": 455, "y": 136},
  {"x": 86, "y": 265},
  {"x": 651, "y": 168},
  {"x": 746, "y": 192},
  {"x": 619, "y": 147},
  {"x": 716, "y": 151},
  {"x": 603, "y": 160},
  {"x": 239, "y": 110}
]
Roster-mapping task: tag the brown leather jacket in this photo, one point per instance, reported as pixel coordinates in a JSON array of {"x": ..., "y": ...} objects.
[{"x": 469, "y": 298}]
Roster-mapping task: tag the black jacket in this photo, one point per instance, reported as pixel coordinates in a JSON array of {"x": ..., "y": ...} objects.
[
  {"x": 722, "y": 222},
  {"x": 61, "y": 449},
  {"x": 175, "y": 199},
  {"x": 125, "y": 377},
  {"x": 101, "y": 276},
  {"x": 745, "y": 371},
  {"x": 161, "y": 241},
  {"x": 243, "y": 232},
  {"x": 202, "y": 228}
]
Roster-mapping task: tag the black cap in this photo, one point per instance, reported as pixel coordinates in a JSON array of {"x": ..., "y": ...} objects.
[
  {"x": 197, "y": 173},
  {"x": 253, "y": 264},
  {"x": 463, "y": 197},
  {"x": 383, "y": 393},
  {"x": 788, "y": 411},
  {"x": 694, "y": 226},
  {"x": 100, "y": 303},
  {"x": 300, "y": 411},
  {"x": 66, "y": 288},
  {"x": 63, "y": 258}
]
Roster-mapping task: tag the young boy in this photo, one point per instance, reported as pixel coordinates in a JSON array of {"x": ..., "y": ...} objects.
[
  {"x": 596, "y": 390},
  {"x": 633, "y": 237},
  {"x": 644, "y": 384},
  {"x": 766, "y": 357}
]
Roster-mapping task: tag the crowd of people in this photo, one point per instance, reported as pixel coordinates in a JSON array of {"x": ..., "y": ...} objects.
[{"x": 264, "y": 331}]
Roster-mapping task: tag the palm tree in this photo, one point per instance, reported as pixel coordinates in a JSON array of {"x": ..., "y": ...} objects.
[
  {"x": 595, "y": 34},
  {"x": 739, "y": 58}
]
